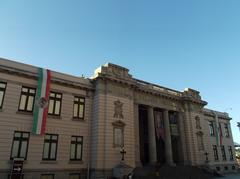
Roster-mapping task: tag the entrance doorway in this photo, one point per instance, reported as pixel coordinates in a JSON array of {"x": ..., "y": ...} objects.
[{"x": 143, "y": 134}]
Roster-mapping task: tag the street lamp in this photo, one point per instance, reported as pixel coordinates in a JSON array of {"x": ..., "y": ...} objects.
[{"x": 238, "y": 124}]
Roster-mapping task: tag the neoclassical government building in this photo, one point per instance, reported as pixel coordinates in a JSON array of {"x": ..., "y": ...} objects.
[{"x": 62, "y": 126}]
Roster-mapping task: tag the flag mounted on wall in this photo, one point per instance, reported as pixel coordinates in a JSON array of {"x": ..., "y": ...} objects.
[{"x": 41, "y": 107}]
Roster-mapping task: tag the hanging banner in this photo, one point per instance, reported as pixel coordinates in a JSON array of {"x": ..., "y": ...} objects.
[
  {"x": 159, "y": 124},
  {"x": 42, "y": 97}
]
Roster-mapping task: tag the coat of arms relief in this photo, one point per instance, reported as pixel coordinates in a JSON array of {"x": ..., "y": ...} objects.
[{"x": 118, "y": 109}]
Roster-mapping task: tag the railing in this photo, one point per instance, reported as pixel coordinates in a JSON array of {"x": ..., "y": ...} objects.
[{"x": 159, "y": 88}]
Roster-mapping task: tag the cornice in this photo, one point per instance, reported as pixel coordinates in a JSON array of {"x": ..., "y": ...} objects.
[{"x": 55, "y": 80}]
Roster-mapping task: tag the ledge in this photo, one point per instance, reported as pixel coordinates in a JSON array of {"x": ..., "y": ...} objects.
[
  {"x": 75, "y": 162},
  {"x": 78, "y": 120},
  {"x": 48, "y": 162},
  {"x": 54, "y": 116},
  {"x": 25, "y": 113}
]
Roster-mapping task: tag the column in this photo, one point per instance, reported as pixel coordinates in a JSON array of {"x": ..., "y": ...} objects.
[
  {"x": 168, "y": 142},
  {"x": 183, "y": 136},
  {"x": 137, "y": 137},
  {"x": 151, "y": 137}
]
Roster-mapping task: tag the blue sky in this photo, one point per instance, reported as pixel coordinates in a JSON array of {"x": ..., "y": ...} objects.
[{"x": 177, "y": 44}]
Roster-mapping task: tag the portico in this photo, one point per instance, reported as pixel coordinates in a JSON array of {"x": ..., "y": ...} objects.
[{"x": 156, "y": 134}]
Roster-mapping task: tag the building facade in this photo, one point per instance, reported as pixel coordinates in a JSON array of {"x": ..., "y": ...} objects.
[{"x": 91, "y": 121}]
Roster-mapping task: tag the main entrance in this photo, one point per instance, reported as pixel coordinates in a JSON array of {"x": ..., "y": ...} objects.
[{"x": 144, "y": 135}]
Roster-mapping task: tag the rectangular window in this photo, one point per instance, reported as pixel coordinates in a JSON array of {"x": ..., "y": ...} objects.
[
  {"x": 118, "y": 137},
  {"x": 2, "y": 93},
  {"x": 55, "y": 100},
  {"x": 215, "y": 152},
  {"x": 20, "y": 145},
  {"x": 211, "y": 128},
  {"x": 226, "y": 130},
  {"x": 50, "y": 147},
  {"x": 47, "y": 176},
  {"x": 74, "y": 176},
  {"x": 26, "y": 102},
  {"x": 78, "y": 107},
  {"x": 230, "y": 152},
  {"x": 76, "y": 148},
  {"x": 223, "y": 153}
]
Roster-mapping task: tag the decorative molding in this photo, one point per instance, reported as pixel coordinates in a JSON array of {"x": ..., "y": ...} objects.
[{"x": 118, "y": 123}]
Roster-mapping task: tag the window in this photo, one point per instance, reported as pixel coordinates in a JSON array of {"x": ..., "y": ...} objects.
[
  {"x": 27, "y": 99},
  {"x": 50, "y": 147},
  {"x": 218, "y": 168},
  {"x": 211, "y": 128},
  {"x": 230, "y": 152},
  {"x": 20, "y": 145},
  {"x": 76, "y": 148},
  {"x": 223, "y": 153},
  {"x": 226, "y": 167},
  {"x": 74, "y": 176},
  {"x": 78, "y": 107},
  {"x": 118, "y": 137},
  {"x": 226, "y": 130},
  {"x": 55, "y": 101},
  {"x": 47, "y": 176},
  {"x": 2, "y": 93},
  {"x": 215, "y": 152},
  {"x": 233, "y": 167}
]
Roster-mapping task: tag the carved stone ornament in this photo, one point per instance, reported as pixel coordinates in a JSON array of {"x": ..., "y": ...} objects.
[
  {"x": 118, "y": 111},
  {"x": 42, "y": 102}
]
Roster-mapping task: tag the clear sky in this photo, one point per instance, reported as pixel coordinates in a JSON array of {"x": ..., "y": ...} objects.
[{"x": 174, "y": 43}]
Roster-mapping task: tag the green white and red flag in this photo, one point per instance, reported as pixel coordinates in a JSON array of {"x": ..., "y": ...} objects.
[{"x": 42, "y": 97}]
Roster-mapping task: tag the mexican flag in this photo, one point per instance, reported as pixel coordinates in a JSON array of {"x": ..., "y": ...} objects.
[{"x": 41, "y": 107}]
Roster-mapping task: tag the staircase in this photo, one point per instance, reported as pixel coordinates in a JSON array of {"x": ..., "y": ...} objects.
[{"x": 168, "y": 172}]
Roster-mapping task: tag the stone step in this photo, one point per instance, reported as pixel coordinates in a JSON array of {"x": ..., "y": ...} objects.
[{"x": 169, "y": 172}]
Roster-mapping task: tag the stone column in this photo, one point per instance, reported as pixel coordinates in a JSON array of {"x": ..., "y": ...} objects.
[
  {"x": 182, "y": 137},
  {"x": 168, "y": 142},
  {"x": 137, "y": 138},
  {"x": 151, "y": 137}
]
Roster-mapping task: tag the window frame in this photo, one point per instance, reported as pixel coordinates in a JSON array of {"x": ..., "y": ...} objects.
[
  {"x": 226, "y": 130},
  {"x": 46, "y": 174},
  {"x": 230, "y": 151},
  {"x": 27, "y": 94},
  {"x": 4, "y": 91},
  {"x": 72, "y": 174},
  {"x": 20, "y": 144},
  {"x": 223, "y": 151},
  {"x": 76, "y": 143},
  {"x": 50, "y": 142},
  {"x": 55, "y": 99},
  {"x": 79, "y": 103},
  {"x": 215, "y": 153},
  {"x": 211, "y": 128}
]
